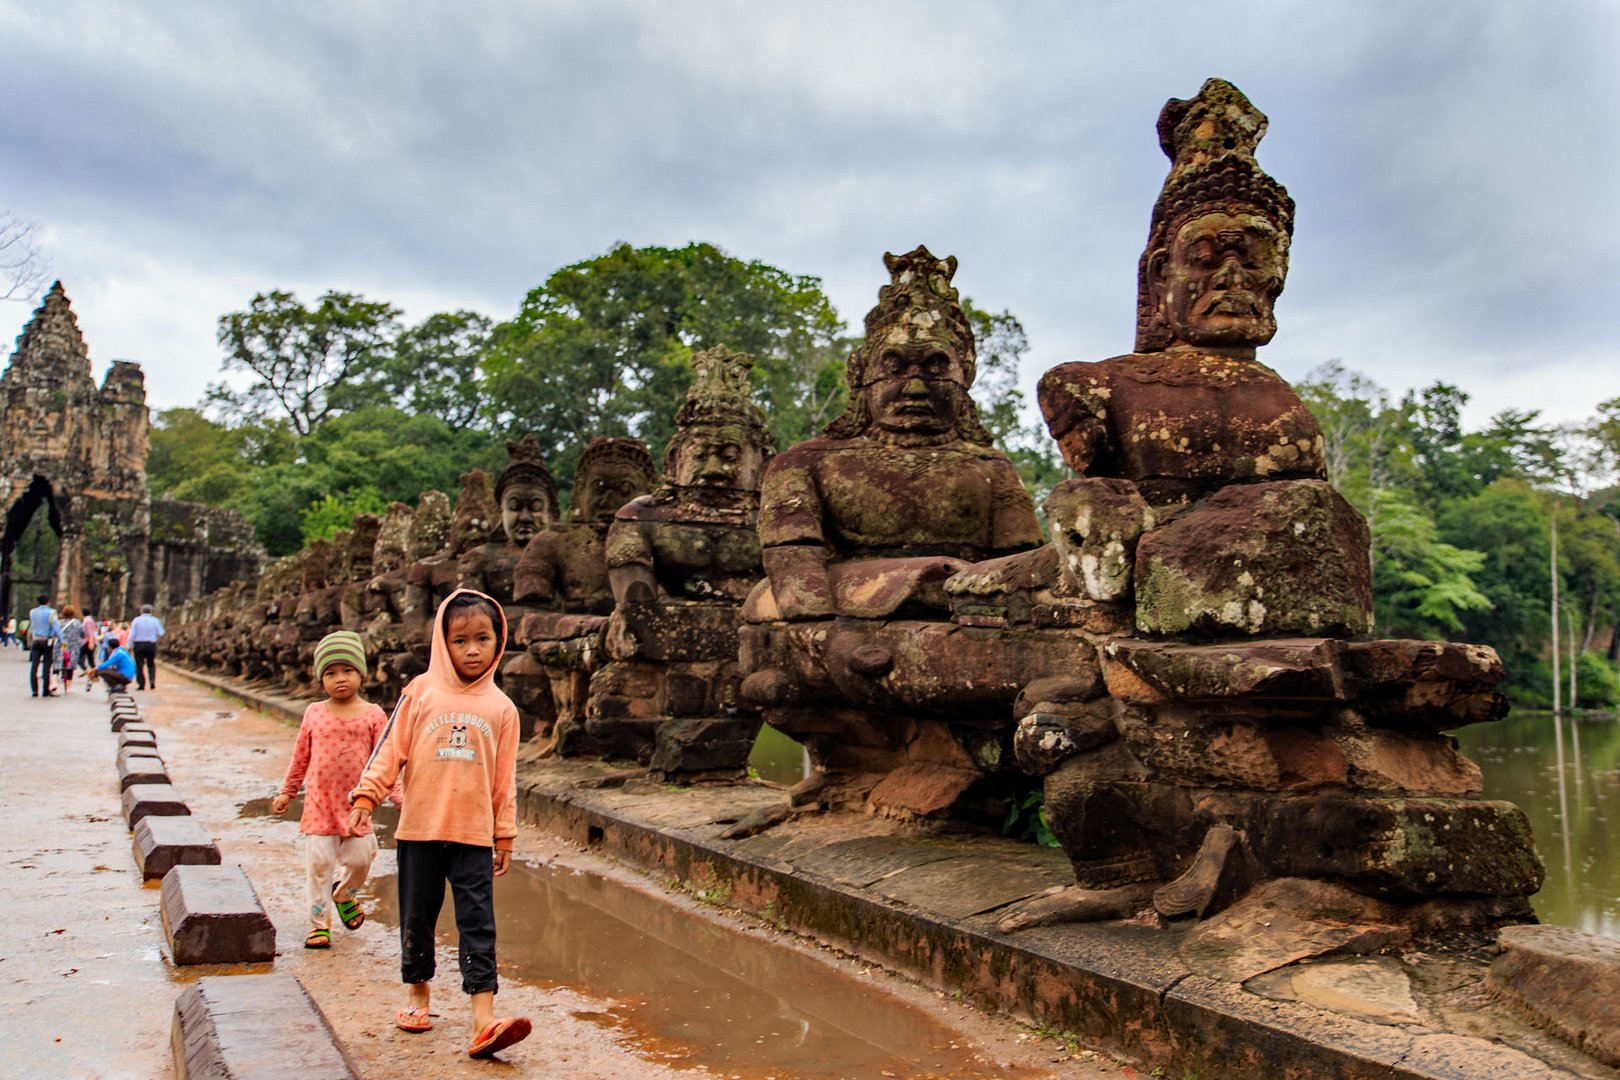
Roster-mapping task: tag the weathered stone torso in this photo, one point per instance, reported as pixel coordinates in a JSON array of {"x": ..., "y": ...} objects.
[{"x": 564, "y": 568}]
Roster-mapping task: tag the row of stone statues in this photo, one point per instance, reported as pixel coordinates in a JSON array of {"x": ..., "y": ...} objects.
[{"x": 1183, "y": 667}]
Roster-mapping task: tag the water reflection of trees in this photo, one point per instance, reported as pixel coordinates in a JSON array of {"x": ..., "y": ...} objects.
[{"x": 1566, "y": 776}]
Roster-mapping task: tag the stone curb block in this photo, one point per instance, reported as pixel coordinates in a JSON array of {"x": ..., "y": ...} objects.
[
  {"x": 120, "y": 722},
  {"x": 254, "y": 1027},
  {"x": 152, "y": 800},
  {"x": 132, "y": 735},
  {"x": 211, "y": 915},
  {"x": 1566, "y": 981},
  {"x": 140, "y": 769},
  {"x": 162, "y": 843}
]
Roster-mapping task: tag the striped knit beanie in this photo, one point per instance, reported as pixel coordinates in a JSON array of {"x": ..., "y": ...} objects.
[{"x": 340, "y": 647}]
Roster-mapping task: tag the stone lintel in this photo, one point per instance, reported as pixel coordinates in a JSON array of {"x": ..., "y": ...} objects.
[
  {"x": 162, "y": 843},
  {"x": 211, "y": 915},
  {"x": 253, "y": 1027}
]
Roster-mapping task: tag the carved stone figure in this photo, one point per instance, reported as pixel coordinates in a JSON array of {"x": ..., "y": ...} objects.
[
  {"x": 1194, "y": 770},
  {"x": 681, "y": 560},
  {"x": 849, "y": 642},
  {"x": 562, "y": 577}
]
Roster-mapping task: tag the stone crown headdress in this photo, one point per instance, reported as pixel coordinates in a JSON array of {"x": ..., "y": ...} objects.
[
  {"x": 920, "y": 297},
  {"x": 1210, "y": 141},
  {"x": 527, "y": 465},
  {"x": 720, "y": 394}
]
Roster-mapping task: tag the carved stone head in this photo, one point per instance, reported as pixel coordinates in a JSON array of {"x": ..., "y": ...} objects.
[
  {"x": 911, "y": 373},
  {"x": 430, "y": 527},
  {"x": 526, "y": 492},
  {"x": 1217, "y": 250},
  {"x": 611, "y": 472},
  {"x": 474, "y": 521},
  {"x": 393, "y": 539},
  {"x": 721, "y": 444}
]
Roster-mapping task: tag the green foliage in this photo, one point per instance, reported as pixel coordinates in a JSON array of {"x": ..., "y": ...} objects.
[
  {"x": 603, "y": 347},
  {"x": 327, "y": 515},
  {"x": 435, "y": 368},
  {"x": 1597, "y": 682},
  {"x": 1422, "y": 586},
  {"x": 1000, "y": 344},
  {"x": 1026, "y": 820}
]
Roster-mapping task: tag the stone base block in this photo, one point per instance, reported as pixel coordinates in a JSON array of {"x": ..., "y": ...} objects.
[
  {"x": 162, "y": 843},
  {"x": 706, "y": 744},
  {"x": 1566, "y": 982},
  {"x": 122, "y": 720},
  {"x": 211, "y": 915},
  {"x": 137, "y": 735},
  {"x": 143, "y": 769},
  {"x": 254, "y": 1026},
  {"x": 152, "y": 800}
]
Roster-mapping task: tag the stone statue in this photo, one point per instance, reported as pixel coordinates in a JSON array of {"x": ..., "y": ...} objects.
[
  {"x": 681, "y": 560},
  {"x": 849, "y": 644},
  {"x": 1288, "y": 766},
  {"x": 526, "y": 496},
  {"x": 562, "y": 580}
]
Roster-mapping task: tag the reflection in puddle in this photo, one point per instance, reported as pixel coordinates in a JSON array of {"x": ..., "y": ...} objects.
[
  {"x": 384, "y": 818},
  {"x": 694, "y": 993}
]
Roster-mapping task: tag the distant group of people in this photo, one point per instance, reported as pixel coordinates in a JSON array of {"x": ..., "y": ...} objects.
[{"x": 65, "y": 642}]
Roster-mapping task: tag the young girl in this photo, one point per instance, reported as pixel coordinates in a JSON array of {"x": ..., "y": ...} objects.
[
  {"x": 456, "y": 736},
  {"x": 334, "y": 741},
  {"x": 72, "y": 638}
]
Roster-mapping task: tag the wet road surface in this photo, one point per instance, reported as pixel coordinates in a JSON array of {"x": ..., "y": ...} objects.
[{"x": 622, "y": 979}]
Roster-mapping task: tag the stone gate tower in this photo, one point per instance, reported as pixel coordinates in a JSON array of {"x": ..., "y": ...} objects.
[{"x": 78, "y": 452}]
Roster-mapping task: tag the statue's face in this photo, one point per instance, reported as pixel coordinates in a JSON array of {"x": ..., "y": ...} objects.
[
  {"x": 718, "y": 456},
  {"x": 917, "y": 386},
  {"x": 1219, "y": 280},
  {"x": 525, "y": 510},
  {"x": 608, "y": 487}
]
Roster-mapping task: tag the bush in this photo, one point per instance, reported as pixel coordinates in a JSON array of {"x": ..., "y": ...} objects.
[{"x": 1597, "y": 682}]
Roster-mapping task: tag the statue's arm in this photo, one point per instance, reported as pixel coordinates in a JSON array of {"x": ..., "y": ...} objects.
[
  {"x": 629, "y": 558},
  {"x": 535, "y": 578},
  {"x": 1013, "y": 525},
  {"x": 794, "y": 548}
]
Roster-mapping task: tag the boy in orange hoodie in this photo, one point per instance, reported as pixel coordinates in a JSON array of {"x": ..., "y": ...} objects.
[{"x": 455, "y": 735}]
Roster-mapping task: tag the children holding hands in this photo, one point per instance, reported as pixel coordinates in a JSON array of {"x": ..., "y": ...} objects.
[
  {"x": 454, "y": 735},
  {"x": 335, "y": 739}
]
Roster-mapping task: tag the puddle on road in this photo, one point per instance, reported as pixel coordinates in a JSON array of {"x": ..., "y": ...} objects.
[
  {"x": 693, "y": 993},
  {"x": 384, "y": 818}
]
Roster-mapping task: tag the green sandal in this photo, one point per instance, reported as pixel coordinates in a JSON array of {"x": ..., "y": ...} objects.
[
  {"x": 318, "y": 939},
  {"x": 348, "y": 910}
]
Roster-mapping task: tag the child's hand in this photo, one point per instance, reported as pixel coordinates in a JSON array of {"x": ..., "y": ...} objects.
[
  {"x": 359, "y": 820},
  {"x": 503, "y": 861},
  {"x": 278, "y": 805}
]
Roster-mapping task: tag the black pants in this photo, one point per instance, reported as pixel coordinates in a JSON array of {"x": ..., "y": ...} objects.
[
  {"x": 145, "y": 653},
  {"x": 115, "y": 680},
  {"x": 424, "y": 867},
  {"x": 41, "y": 652}
]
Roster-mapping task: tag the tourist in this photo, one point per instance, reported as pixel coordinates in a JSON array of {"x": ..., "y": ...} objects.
[
  {"x": 143, "y": 638},
  {"x": 8, "y": 631},
  {"x": 335, "y": 739},
  {"x": 456, "y": 735},
  {"x": 116, "y": 671},
  {"x": 106, "y": 641},
  {"x": 43, "y": 631},
  {"x": 87, "y": 651},
  {"x": 72, "y": 637}
]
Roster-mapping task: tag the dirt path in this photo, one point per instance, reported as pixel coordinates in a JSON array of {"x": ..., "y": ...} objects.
[{"x": 86, "y": 989}]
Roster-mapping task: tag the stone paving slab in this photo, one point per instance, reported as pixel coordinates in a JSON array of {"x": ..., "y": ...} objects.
[
  {"x": 149, "y": 800},
  {"x": 140, "y": 769},
  {"x": 927, "y": 906},
  {"x": 255, "y": 1027},
  {"x": 212, "y": 915},
  {"x": 162, "y": 843}
]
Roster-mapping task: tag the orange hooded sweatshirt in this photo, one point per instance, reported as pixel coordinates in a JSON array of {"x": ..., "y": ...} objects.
[{"x": 457, "y": 743}]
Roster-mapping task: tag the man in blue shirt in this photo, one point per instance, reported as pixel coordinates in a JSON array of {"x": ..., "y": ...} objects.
[
  {"x": 143, "y": 638},
  {"x": 43, "y": 632},
  {"x": 116, "y": 671}
]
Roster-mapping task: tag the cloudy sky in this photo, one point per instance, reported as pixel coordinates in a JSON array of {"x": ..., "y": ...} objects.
[{"x": 1454, "y": 163}]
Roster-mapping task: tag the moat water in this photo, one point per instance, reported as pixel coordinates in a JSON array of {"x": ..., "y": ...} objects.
[{"x": 1565, "y": 773}]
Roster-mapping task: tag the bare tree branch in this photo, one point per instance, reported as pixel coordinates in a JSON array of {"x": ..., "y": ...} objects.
[{"x": 23, "y": 270}]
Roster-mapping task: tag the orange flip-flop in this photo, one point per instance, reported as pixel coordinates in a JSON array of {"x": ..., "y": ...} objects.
[
  {"x": 499, "y": 1035},
  {"x": 413, "y": 1020}
]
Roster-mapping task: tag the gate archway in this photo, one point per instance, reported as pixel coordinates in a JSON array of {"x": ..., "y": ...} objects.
[{"x": 30, "y": 548}]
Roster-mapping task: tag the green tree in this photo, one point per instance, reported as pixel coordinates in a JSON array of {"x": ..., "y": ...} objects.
[
  {"x": 306, "y": 362},
  {"x": 603, "y": 347},
  {"x": 999, "y": 344},
  {"x": 435, "y": 368},
  {"x": 1422, "y": 586},
  {"x": 325, "y": 516}
]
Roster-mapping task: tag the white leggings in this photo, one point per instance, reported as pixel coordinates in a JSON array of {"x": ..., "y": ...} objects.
[{"x": 323, "y": 854}]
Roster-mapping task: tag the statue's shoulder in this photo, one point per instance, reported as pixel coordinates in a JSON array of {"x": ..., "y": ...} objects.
[{"x": 642, "y": 508}]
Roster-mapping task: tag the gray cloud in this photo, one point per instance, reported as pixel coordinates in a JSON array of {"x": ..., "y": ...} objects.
[{"x": 1452, "y": 163}]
